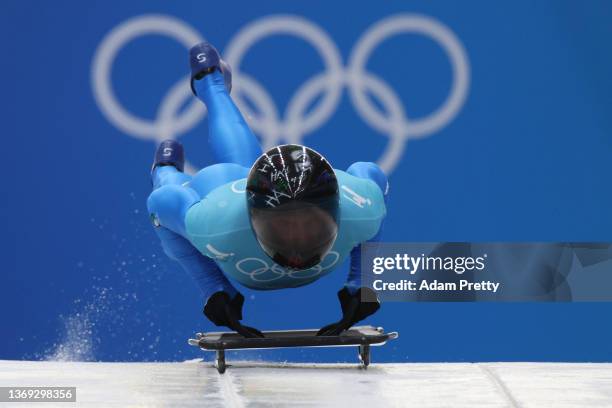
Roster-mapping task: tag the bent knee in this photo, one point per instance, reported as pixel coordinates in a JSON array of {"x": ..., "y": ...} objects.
[
  {"x": 169, "y": 204},
  {"x": 372, "y": 171},
  {"x": 165, "y": 199}
]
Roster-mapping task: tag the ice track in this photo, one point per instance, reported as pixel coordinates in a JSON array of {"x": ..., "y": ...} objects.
[{"x": 245, "y": 384}]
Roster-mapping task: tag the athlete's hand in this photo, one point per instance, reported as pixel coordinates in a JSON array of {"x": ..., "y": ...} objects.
[
  {"x": 354, "y": 309},
  {"x": 223, "y": 311}
]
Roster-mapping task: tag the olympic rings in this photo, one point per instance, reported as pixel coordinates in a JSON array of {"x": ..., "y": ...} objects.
[
  {"x": 296, "y": 122},
  {"x": 255, "y": 268}
]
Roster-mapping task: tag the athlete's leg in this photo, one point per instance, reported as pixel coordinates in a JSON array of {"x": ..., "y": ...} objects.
[
  {"x": 230, "y": 138},
  {"x": 170, "y": 199},
  {"x": 168, "y": 164},
  {"x": 168, "y": 175}
]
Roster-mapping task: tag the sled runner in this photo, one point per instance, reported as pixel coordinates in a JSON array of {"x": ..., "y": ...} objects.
[{"x": 361, "y": 336}]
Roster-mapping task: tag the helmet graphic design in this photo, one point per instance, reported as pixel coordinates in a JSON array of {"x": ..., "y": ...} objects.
[{"x": 293, "y": 201}]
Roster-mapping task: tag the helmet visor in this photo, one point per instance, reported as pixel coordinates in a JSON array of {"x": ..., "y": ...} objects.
[{"x": 296, "y": 235}]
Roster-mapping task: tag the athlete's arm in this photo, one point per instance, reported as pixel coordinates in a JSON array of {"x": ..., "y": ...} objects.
[
  {"x": 358, "y": 302},
  {"x": 223, "y": 303},
  {"x": 168, "y": 204},
  {"x": 372, "y": 172},
  {"x": 204, "y": 270}
]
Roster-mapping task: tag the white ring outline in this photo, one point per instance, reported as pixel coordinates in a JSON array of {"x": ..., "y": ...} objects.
[
  {"x": 106, "y": 99},
  {"x": 170, "y": 124},
  {"x": 428, "y": 27},
  {"x": 294, "y": 26},
  {"x": 235, "y": 188},
  {"x": 281, "y": 272}
]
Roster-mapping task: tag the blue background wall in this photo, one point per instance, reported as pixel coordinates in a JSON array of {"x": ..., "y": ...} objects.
[{"x": 526, "y": 158}]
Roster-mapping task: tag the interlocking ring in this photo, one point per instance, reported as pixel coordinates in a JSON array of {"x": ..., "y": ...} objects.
[
  {"x": 255, "y": 268},
  {"x": 295, "y": 123}
]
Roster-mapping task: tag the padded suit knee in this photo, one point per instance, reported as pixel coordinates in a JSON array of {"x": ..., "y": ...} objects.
[{"x": 168, "y": 205}]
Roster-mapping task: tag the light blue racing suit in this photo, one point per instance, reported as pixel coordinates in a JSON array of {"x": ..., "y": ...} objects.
[{"x": 203, "y": 222}]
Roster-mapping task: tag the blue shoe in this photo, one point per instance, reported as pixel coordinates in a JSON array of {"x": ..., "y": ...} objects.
[
  {"x": 204, "y": 59},
  {"x": 170, "y": 153}
]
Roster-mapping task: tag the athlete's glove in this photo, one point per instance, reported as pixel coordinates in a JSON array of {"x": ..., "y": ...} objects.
[
  {"x": 354, "y": 309},
  {"x": 223, "y": 311}
]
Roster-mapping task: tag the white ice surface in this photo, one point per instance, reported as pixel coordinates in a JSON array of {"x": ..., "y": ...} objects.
[{"x": 259, "y": 384}]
